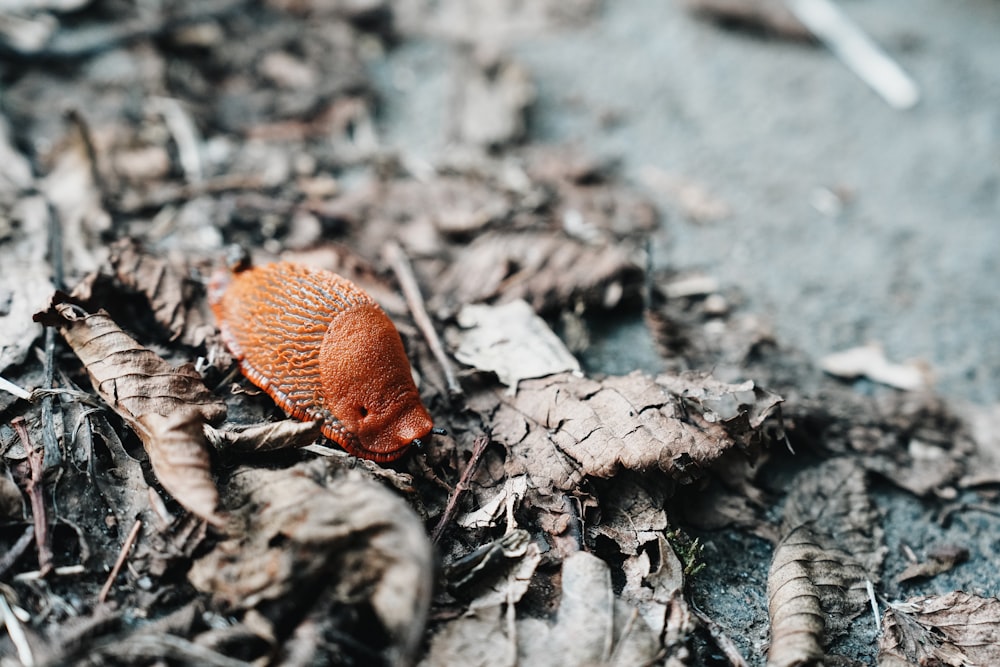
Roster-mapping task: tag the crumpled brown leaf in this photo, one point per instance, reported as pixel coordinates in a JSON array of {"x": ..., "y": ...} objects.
[
  {"x": 511, "y": 341},
  {"x": 546, "y": 270},
  {"x": 169, "y": 291},
  {"x": 957, "y": 629},
  {"x": 494, "y": 94},
  {"x": 592, "y": 627},
  {"x": 832, "y": 544},
  {"x": 301, "y": 541},
  {"x": 561, "y": 429},
  {"x": 166, "y": 406}
]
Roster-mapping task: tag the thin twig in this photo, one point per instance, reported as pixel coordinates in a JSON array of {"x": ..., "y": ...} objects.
[
  {"x": 721, "y": 639},
  {"x": 53, "y": 455},
  {"x": 36, "y": 493},
  {"x": 11, "y": 388},
  {"x": 8, "y": 559},
  {"x": 61, "y": 571},
  {"x": 16, "y": 632},
  {"x": 414, "y": 300},
  {"x": 463, "y": 484},
  {"x": 122, "y": 555}
]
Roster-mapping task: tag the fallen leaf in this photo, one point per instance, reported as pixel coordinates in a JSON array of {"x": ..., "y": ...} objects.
[
  {"x": 870, "y": 361},
  {"x": 832, "y": 545},
  {"x": 940, "y": 559},
  {"x": 591, "y": 627},
  {"x": 169, "y": 291},
  {"x": 496, "y": 573},
  {"x": 269, "y": 436},
  {"x": 560, "y": 429},
  {"x": 300, "y": 541},
  {"x": 166, "y": 406},
  {"x": 511, "y": 341},
  {"x": 546, "y": 270},
  {"x": 769, "y": 16},
  {"x": 493, "y": 97},
  {"x": 957, "y": 629}
]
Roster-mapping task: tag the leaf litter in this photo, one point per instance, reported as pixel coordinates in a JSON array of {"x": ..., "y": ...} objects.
[{"x": 570, "y": 506}]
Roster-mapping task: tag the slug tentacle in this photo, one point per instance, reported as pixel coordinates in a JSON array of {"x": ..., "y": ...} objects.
[{"x": 322, "y": 348}]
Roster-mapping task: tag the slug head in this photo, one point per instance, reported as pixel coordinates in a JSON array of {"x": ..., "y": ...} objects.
[{"x": 368, "y": 387}]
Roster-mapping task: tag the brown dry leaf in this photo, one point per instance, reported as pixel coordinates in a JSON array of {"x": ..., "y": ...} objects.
[
  {"x": 956, "y": 629},
  {"x": 769, "y": 16},
  {"x": 560, "y": 429},
  {"x": 166, "y": 406},
  {"x": 73, "y": 191},
  {"x": 939, "y": 559},
  {"x": 511, "y": 341},
  {"x": 169, "y": 291},
  {"x": 494, "y": 94},
  {"x": 546, "y": 270},
  {"x": 301, "y": 541},
  {"x": 496, "y": 573},
  {"x": 592, "y": 627},
  {"x": 269, "y": 436},
  {"x": 832, "y": 545}
]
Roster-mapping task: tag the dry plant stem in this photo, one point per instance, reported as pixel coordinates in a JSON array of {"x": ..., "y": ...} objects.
[
  {"x": 16, "y": 632},
  {"x": 463, "y": 484},
  {"x": 53, "y": 455},
  {"x": 411, "y": 290},
  {"x": 122, "y": 555},
  {"x": 36, "y": 493},
  {"x": 721, "y": 639},
  {"x": 9, "y": 558}
]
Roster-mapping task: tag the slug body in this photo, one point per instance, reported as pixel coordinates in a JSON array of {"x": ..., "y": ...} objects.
[{"x": 323, "y": 349}]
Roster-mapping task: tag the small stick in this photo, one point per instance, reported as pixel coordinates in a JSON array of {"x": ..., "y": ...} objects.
[
  {"x": 36, "y": 493},
  {"x": 11, "y": 388},
  {"x": 9, "y": 558},
  {"x": 411, "y": 291},
  {"x": 53, "y": 455},
  {"x": 16, "y": 632},
  {"x": 463, "y": 484},
  {"x": 857, "y": 51},
  {"x": 122, "y": 555},
  {"x": 721, "y": 639}
]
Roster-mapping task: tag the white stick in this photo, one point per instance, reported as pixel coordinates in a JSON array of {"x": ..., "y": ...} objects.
[{"x": 857, "y": 51}]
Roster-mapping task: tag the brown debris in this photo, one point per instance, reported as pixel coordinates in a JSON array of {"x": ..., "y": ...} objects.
[
  {"x": 298, "y": 540},
  {"x": 955, "y": 629},
  {"x": 832, "y": 545},
  {"x": 166, "y": 407},
  {"x": 546, "y": 270}
]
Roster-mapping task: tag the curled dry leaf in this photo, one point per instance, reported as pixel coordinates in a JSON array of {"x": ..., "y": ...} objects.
[
  {"x": 956, "y": 629},
  {"x": 166, "y": 406},
  {"x": 832, "y": 545},
  {"x": 592, "y": 627},
  {"x": 546, "y": 270},
  {"x": 269, "y": 436},
  {"x": 170, "y": 291},
  {"x": 511, "y": 341},
  {"x": 561, "y": 429},
  {"x": 301, "y": 541}
]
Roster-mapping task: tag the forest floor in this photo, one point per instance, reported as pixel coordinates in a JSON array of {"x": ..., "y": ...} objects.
[{"x": 708, "y": 323}]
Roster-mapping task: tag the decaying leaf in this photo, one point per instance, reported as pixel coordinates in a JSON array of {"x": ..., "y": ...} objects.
[
  {"x": 561, "y": 429},
  {"x": 832, "y": 545},
  {"x": 592, "y": 627},
  {"x": 169, "y": 291},
  {"x": 301, "y": 541},
  {"x": 268, "y": 436},
  {"x": 493, "y": 99},
  {"x": 956, "y": 629},
  {"x": 939, "y": 559},
  {"x": 511, "y": 341},
  {"x": 166, "y": 406},
  {"x": 546, "y": 270},
  {"x": 496, "y": 573}
]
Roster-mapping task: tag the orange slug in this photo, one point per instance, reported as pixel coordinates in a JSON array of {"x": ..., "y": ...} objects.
[{"x": 323, "y": 349}]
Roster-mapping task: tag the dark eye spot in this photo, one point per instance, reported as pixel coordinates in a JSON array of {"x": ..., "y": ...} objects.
[{"x": 363, "y": 411}]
